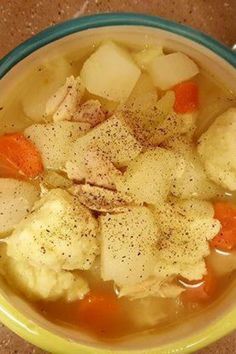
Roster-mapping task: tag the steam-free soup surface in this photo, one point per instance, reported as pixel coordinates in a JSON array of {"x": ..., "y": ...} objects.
[{"x": 117, "y": 202}]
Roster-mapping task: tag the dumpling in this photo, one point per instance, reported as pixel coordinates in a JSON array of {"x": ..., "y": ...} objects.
[
  {"x": 217, "y": 147},
  {"x": 60, "y": 234},
  {"x": 186, "y": 228},
  {"x": 42, "y": 283}
]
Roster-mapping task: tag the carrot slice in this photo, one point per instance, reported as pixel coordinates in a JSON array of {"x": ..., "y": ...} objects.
[
  {"x": 186, "y": 97},
  {"x": 19, "y": 157},
  {"x": 225, "y": 212},
  {"x": 100, "y": 310},
  {"x": 201, "y": 290}
]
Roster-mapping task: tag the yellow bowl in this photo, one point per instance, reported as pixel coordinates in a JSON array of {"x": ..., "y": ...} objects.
[{"x": 197, "y": 331}]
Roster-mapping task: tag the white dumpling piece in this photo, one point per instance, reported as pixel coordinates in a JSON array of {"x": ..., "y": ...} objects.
[
  {"x": 217, "y": 147},
  {"x": 42, "y": 283},
  {"x": 54, "y": 140},
  {"x": 16, "y": 201},
  {"x": 186, "y": 228},
  {"x": 193, "y": 182},
  {"x": 60, "y": 234},
  {"x": 110, "y": 72}
]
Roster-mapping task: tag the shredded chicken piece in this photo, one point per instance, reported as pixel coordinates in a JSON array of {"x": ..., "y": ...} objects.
[
  {"x": 90, "y": 112},
  {"x": 96, "y": 169},
  {"x": 63, "y": 103},
  {"x": 101, "y": 199},
  {"x": 153, "y": 286}
]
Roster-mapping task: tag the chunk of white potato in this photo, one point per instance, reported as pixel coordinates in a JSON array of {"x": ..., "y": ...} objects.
[
  {"x": 193, "y": 182},
  {"x": 144, "y": 57},
  {"x": 42, "y": 283},
  {"x": 172, "y": 69},
  {"x": 54, "y": 140},
  {"x": 45, "y": 79},
  {"x": 16, "y": 200},
  {"x": 170, "y": 123},
  {"x": 217, "y": 148},
  {"x": 128, "y": 245},
  {"x": 154, "y": 121},
  {"x": 143, "y": 112},
  {"x": 53, "y": 179},
  {"x": 59, "y": 234},
  {"x": 144, "y": 95},
  {"x": 185, "y": 236},
  {"x": 101, "y": 199},
  {"x": 150, "y": 176},
  {"x": 153, "y": 286},
  {"x": 110, "y": 72},
  {"x": 111, "y": 140},
  {"x": 63, "y": 103},
  {"x": 166, "y": 102}
]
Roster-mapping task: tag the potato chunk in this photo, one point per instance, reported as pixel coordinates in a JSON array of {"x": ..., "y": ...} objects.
[
  {"x": 217, "y": 148},
  {"x": 149, "y": 177},
  {"x": 16, "y": 200},
  {"x": 154, "y": 121},
  {"x": 54, "y": 141},
  {"x": 144, "y": 57},
  {"x": 144, "y": 95},
  {"x": 60, "y": 234},
  {"x": 169, "y": 70},
  {"x": 110, "y": 72},
  {"x": 128, "y": 245}
]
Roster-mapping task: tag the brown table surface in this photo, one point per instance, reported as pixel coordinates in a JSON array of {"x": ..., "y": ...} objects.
[{"x": 20, "y": 19}]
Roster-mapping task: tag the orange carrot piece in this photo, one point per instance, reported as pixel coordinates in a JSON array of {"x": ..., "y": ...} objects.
[
  {"x": 186, "y": 97},
  {"x": 99, "y": 310},
  {"x": 201, "y": 290},
  {"x": 225, "y": 212},
  {"x": 19, "y": 157}
]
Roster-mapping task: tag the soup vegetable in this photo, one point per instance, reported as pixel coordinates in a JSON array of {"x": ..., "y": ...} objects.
[{"x": 117, "y": 190}]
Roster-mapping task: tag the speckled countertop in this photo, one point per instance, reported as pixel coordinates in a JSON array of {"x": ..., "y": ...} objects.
[{"x": 20, "y": 19}]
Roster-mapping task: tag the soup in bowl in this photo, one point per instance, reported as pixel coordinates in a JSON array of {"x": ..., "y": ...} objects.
[{"x": 118, "y": 181}]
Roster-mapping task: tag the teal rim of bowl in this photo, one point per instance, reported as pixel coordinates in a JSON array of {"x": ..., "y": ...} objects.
[{"x": 111, "y": 19}]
